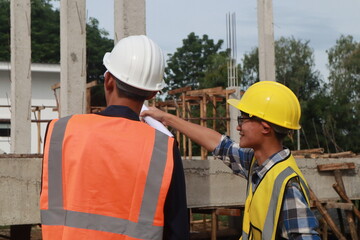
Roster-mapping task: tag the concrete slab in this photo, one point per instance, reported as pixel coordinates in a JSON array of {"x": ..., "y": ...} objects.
[
  {"x": 20, "y": 190},
  {"x": 210, "y": 183}
]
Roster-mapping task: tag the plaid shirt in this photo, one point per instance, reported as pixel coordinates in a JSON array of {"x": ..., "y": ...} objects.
[{"x": 296, "y": 220}]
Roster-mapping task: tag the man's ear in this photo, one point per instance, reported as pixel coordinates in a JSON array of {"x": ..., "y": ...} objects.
[
  {"x": 266, "y": 127},
  {"x": 109, "y": 82}
]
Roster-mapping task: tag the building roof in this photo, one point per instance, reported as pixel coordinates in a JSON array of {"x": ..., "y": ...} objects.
[{"x": 35, "y": 67}]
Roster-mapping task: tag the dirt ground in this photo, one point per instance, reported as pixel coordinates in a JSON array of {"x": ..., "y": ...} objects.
[
  {"x": 199, "y": 231},
  {"x": 35, "y": 233}
]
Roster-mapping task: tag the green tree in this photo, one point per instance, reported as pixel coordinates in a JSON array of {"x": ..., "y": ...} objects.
[
  {"x": 5, "y": 30},
  {"x": 343, "y": 119},
  {"x": 217, "y": 71},
  {"x": 45, "y": 41},
  {"x": 190, "y": 63},
  {"x": 45, "y": 37}
]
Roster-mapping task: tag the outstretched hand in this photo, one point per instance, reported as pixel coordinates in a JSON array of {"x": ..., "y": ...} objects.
[{"x": 156, "y": 114}]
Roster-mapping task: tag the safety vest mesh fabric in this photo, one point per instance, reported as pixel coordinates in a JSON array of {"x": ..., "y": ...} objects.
[
  {"x": 263, "y": 206},
  {"x": 104, "y": 178}
]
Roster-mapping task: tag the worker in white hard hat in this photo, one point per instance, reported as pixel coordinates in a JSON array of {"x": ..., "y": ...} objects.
[
  {"x": 108, "y": 175},
  {"x": 277, "y": 204}
]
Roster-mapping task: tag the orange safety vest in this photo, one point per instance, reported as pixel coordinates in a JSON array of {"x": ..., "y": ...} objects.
[{"x": 104, "y": 178}]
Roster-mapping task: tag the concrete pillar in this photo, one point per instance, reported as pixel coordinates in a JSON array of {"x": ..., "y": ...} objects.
[
  {"x": 129, "y": 17},
  {"x": 266, "y": 41},
  {"x": 234, "y": 113},
  {"x": 20, "y": 76},
  {"x": 73, "y": 57}
]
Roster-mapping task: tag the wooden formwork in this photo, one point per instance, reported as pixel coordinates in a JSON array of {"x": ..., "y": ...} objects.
[{"x": 193, "y": 105}]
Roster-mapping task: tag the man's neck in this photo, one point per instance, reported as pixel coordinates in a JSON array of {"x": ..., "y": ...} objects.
[
  {"x": 132, "y": 104},
  {"x": 266, "y": 151}
]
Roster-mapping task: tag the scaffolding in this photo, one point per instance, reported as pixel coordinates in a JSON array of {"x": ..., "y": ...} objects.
[{"x": 198, "y": 106}]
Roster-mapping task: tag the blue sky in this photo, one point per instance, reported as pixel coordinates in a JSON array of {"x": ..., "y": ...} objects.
[{"x": 168, "y": 22}]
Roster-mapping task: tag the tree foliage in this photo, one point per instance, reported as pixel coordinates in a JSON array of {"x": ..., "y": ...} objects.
[
  {"x": 342, "y": 121},
  {"x": 195, "y": 63},
  {"x": 45, "y": 37},
  {"x": 295, "y": 68},
  {"x": 4, "y": 30}
]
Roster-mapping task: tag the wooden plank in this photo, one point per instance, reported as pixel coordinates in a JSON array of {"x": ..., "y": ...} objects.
[
  {"x": 88, "y": 85},
  {"x": 91, "y": 84},
  {"x": 207, "y": 90},
  {"x": 190, "y": 98},
  {"x": 303, "y": 151},
  {"x": 340, "y": 205},
  {"x": 336, "y": 166},
  {"x": 21, "y": 155},
  {"x": 55, "y": 86},
  {"x": 342, "y": 154},
  {"x": 228, "y": 211},
  {"x": 179, "y": 90}
]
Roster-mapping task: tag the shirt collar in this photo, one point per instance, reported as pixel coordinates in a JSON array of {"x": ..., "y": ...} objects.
[
  {"x": 120, "y": 111},
  {"x": 260, "y": 171}
]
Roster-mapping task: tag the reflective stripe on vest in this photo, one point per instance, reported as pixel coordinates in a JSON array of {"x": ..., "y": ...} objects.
[
  {"x": 57, "y": 215},
  {"x": 268, "y": 219}
]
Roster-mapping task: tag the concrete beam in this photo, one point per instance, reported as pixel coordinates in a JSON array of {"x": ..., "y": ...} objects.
[
  {"x": 73, "y": 57},
  {"x": 209, "y": 183},
  {"x": 129, "y": 18},
  {"x": 20, "y": 76}
]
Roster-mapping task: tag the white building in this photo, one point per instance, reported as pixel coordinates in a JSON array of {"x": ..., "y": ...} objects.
[{"x": 44, "y": 76}]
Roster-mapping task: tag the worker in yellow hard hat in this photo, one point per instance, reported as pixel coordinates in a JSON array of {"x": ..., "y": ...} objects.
[
  {"x": 108, "y": 175},
  {"x": 277, "y": 204}
]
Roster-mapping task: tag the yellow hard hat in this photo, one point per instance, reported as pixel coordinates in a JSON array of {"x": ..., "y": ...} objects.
[{"x": 272, "y": 102}]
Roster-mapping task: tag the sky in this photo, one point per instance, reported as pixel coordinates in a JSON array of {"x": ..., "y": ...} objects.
[{"x": 168, "y": 22}]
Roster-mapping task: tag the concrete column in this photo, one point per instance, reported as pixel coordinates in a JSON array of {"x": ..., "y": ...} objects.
[
  {"x": 20, "y": 76},
  {"x": 129, "y": 17},
  {"x": 73, "y": 57},
  {"x": 234, "y": 113},
  {"x": 266, "y": 40}
]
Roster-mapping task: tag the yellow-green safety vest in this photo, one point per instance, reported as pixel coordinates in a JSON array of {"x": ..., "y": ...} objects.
[{"x": 263, "y": 206}]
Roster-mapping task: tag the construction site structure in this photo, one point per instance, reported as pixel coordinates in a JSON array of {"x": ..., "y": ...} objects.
[
  {"x": 211, "y": 186},
  {"x": 206, "y": 103}
]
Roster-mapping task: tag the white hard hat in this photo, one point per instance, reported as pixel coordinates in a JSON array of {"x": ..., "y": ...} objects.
[{"x": 138, "y": 62}]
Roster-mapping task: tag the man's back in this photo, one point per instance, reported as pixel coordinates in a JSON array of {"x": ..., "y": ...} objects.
[{"x": 112, "y": 177}]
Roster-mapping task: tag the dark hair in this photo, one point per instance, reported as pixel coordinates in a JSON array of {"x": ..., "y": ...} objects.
[
  {"x": 280, "y": 132},
  {"x": 131, "y": 92}
]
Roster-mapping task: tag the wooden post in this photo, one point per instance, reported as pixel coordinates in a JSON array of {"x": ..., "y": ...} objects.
[
  {"x": 345, "y": 198},
  {"x": 227, "y": 114},
  {"x": 324, "y": 230},
  {"x": 326, "y": 216},
  {"x": 184, "y": 116},
  {"x": 177, "y": 132},
  {"x": 189, "y": 140},
  {"x": 336, "y": 168},
  {"x": 213, "y": 224},
  {"x": 214, "y": 112}
]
